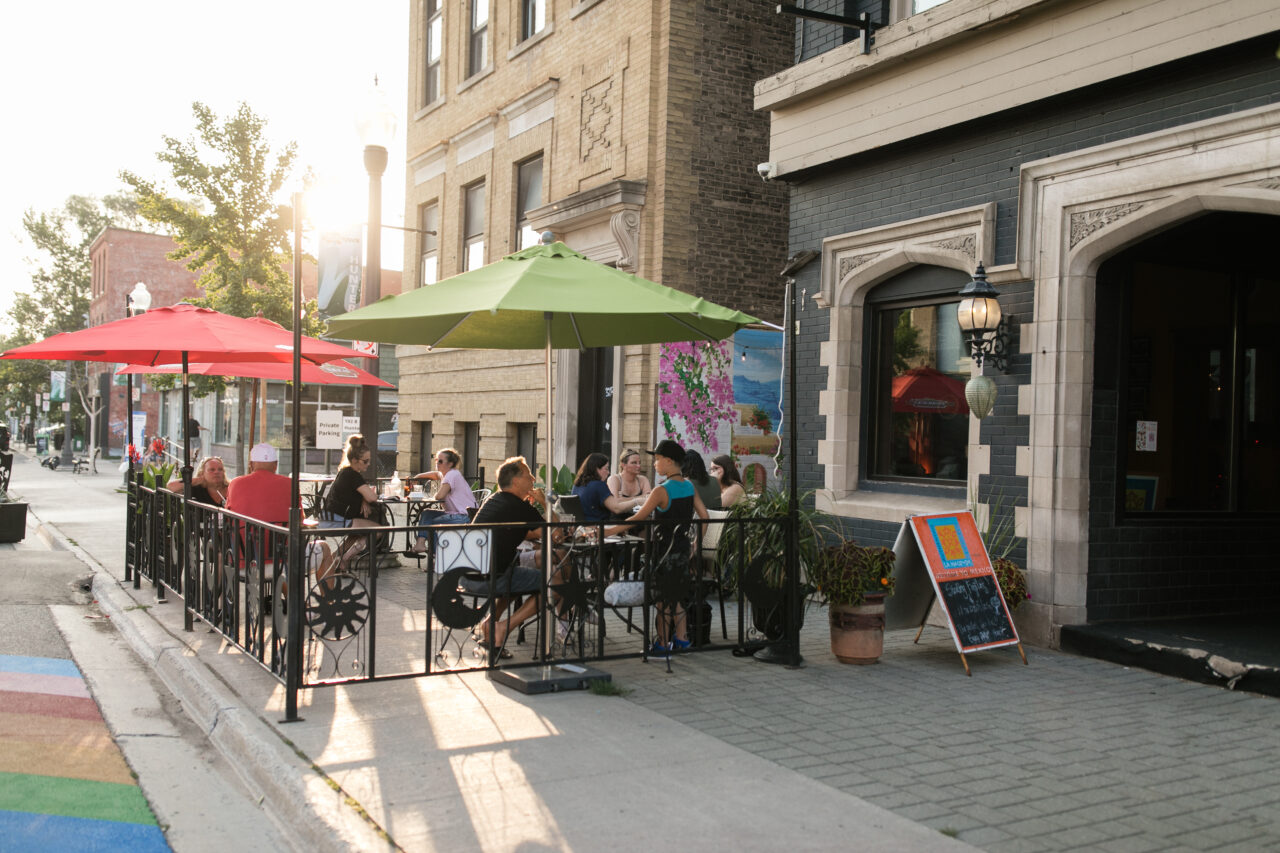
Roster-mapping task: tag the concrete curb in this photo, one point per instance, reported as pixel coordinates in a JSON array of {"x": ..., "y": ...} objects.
[{"x": 310, "y": 810}]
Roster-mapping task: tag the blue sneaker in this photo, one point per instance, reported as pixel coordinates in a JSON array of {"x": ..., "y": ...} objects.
[{"x": 680, "y": 645}]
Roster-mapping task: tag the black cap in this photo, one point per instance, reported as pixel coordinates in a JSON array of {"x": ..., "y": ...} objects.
[{"x": 669, "y": 449}]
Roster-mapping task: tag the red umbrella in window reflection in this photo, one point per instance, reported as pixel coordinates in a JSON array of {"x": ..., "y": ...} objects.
[
  {"x": 927, "y": 391},
  {"x": 918, "y": 393}
]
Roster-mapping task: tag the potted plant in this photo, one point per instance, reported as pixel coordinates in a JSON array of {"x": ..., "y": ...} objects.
[
  {"x": 995, "y": 526},
  {"x": 854, "y": 581},
  {"x": 753, "y": 553},
  {"x": 13, "y": 518}
]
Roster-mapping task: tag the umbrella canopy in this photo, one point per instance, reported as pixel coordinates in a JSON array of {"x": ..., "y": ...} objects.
[
  {"x": 181, "y": 334},
  {"x": 168, "y": 335},
  {"x": 330, "y": 373},
  {"x": 504, "y": 306},
  {"x": 927, "y": 391},
  {"x": 547, "y": 296}
]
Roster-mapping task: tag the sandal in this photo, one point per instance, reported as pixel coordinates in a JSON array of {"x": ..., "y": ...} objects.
[{"x": 503, "y": 653}]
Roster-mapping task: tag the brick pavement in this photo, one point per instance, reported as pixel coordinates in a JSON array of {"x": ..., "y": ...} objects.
[{"x": 1068, "y": 753}]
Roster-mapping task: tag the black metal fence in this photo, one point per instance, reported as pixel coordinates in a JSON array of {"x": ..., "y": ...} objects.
[{"x": 372, "y": 611}]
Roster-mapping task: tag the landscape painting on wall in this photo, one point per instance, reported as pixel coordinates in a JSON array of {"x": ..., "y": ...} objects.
[{"x": 725, "y": 397}]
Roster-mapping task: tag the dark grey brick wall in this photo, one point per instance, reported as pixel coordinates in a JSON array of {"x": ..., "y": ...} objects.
[
  {"x": 817, "y": 37},
  {"x": 979, "y": 162}
]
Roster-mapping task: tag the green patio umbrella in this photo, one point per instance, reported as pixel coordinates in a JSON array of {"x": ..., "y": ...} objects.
[
  {"x": 506, "y": 304},
  {"x": 545, "y": 297}
]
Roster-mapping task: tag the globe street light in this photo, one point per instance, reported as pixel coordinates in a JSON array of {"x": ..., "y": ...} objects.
[{"x": 377, "y": 127}]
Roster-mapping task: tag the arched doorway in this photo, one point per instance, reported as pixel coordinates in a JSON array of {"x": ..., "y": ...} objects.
[{"x": 1185, "y": 423}]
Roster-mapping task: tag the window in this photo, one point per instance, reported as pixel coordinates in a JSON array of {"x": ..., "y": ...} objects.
[
  {"x": 433, "y": 41},
  {"x": 528, "y": 196},
  {"x": 473, "y": 226},
  {"x": 533, "y": 17},
  {"x": 478, "y": 46},
  {"x": 527, "y": 444},
  {"x": 429, "y": 243},
  {"x": 918, "y": 420},
  {"x": 470, "y": 449}
]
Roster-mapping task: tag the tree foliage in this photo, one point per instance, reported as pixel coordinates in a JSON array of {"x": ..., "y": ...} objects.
[
  {"x": 220, "y": 206},
  {"x": 61, "y": 287}
]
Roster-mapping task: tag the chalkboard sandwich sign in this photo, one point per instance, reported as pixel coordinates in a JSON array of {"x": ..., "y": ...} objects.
[{"x": 959, "y": 570}]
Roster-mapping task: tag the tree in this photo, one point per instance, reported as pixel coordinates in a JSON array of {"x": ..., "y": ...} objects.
[
  {"x": 234, "y": 233},
  {"x": 61, "y": 282}
]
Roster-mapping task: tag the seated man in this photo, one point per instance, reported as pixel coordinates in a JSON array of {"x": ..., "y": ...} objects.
[
  {"x": 517, "y": 572},
  {"x": 262, "y": 493}
]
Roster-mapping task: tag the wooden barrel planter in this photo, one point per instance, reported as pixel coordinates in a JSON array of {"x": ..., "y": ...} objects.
[{"x": 857, "y": 631}]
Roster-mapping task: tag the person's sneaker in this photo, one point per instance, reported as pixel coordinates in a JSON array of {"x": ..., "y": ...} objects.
[
  {"x": 659, "y": 651},
  {"x": 680, "y": 645}
]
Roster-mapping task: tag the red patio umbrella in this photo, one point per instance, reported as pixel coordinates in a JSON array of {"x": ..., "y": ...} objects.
[
  {"x": 337, "y": 372},
  {"x": 181, "y": 334},
  {"x": 927, "y": 391}
]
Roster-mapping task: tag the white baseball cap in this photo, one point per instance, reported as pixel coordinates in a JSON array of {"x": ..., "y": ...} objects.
[{"x": 264, "y": 453}]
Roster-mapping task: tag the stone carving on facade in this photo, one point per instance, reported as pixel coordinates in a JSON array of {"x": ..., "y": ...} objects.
[
  {"x": 1085, "y": 222},
  {"x": 625, "y": 227},
  {"x": 1263, "y": 184},
  {"x": 597, "y": 120},
  {"x": 848, "y": 265},
  {"x": 966, "y": 244}
]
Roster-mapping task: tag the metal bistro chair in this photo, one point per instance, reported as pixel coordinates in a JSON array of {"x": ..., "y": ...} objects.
[{"x": 459, "y": 552}]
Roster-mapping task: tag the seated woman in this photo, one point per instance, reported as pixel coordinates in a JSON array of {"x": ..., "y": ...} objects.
[
  {"x": 695, "y": 471},
  {"x": 675, "y": 502},
  {"x": 350, "y": 500},
  {"x": 208, "y": 484},
  {"x": 598, "y": 503},
  {"x": 453, "y": 491},
  {"x": 629, "y": 484},
  {"x": 726, "y": 474}
]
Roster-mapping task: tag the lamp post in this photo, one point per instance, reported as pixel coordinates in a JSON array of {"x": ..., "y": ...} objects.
[
  {"x": 979, "y": 317},
  {"x": 135, "y": 302},
  {"x": 66, "y": 456},
  {"x": 377, "y": 127}
]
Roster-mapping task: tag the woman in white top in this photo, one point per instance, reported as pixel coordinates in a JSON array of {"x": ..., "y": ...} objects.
[
  {"x": 453, "y": 492},
  {"x": 629, "y": 486}
]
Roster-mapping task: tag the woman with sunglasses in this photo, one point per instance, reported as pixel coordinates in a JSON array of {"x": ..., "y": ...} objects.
[{"x": 453, "y": 491}]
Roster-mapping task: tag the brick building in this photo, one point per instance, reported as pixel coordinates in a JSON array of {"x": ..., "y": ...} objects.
[
  {"x": 1114, "y": 165},
  {"x": 626, "y": 128},
  {"x": 120, "y": 259}
]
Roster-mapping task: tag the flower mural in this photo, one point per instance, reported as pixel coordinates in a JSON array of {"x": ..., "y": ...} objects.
[{"x": 695, "y": 391}]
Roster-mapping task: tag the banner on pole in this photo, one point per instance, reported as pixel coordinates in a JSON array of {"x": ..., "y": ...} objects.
[{"x": 338, "y": 267}]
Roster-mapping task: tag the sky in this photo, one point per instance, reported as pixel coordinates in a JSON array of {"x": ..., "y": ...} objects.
[{"x": 92, "y": 88}]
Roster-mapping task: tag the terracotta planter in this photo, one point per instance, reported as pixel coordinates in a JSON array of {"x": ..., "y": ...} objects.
[{"x": 857, "y": 631}]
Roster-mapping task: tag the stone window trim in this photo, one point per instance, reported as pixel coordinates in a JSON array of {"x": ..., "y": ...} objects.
[
  {"x": 474, "y": 79},
  {"x": 582, "y": 6},
  {"x": 617, "y": 206},
  {"x": 536, "y": 38},
  {"x": 852, "y": 265}
]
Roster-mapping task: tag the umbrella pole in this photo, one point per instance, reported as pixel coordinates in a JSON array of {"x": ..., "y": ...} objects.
[
  {"x": 188, "y": 582},
  {"x": 294, "y": 570},
  {"x": 547, "y": 560}
]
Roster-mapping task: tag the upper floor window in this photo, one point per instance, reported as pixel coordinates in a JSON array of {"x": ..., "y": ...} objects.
[
  {"x": 478, "y": 45},
  {"x": 533, "y": 17},
  {"x": 433, "y": 43},
  {"x": 429, "y": 242},
  {"x": 473, "y": 226},
  {"x": 528, "y": 196},
  {"x": 918, "y": 419}
]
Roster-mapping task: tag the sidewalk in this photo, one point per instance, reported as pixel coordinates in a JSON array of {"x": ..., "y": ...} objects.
[{"x": 724, "y": 753}]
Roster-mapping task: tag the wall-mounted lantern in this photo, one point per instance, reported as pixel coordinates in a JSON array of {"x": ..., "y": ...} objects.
[{"x": 986, "y": 332}]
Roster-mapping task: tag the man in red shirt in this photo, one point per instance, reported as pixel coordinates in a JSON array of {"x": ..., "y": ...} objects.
[{"x": 262, "y": 493}]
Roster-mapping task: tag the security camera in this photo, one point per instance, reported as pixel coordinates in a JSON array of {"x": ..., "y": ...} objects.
[{"x": 764, "y": 170}]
